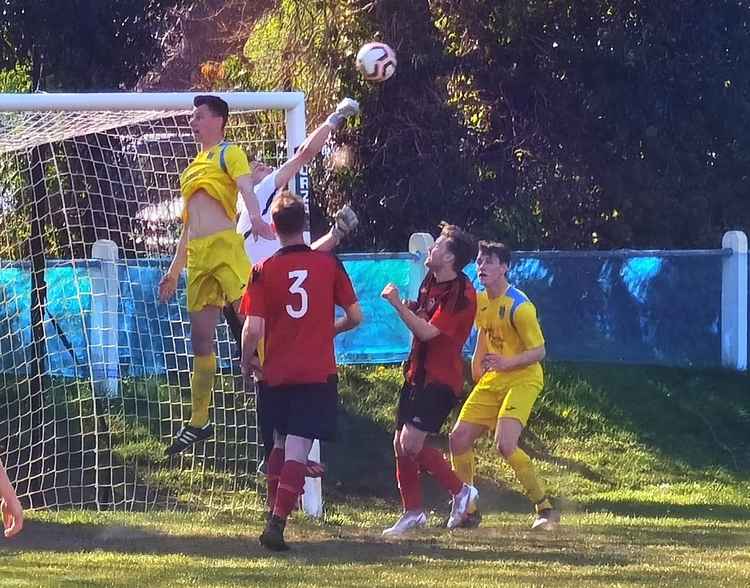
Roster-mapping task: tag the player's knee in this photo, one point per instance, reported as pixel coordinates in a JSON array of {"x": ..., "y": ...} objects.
[
  {"x": 506, "y": 447},
  {"x": 202, "y": 345},
  {"x": 460, "y": 441},
  {"x": 411, "y": 444},
  {"x": 398, "y": 447}
]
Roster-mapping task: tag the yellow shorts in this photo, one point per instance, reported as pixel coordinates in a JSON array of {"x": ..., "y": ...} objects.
[
  {"x": 217, "y": 270},
  {"x": 496, "y": 396}
]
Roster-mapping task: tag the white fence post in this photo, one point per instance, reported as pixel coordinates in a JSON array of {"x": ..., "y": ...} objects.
[
  {"x": 103, "y": 343},
  {"x": 419, "y": 244},
  {"x": 734, "y": 302},
  {"x": 312, "y": 498}
]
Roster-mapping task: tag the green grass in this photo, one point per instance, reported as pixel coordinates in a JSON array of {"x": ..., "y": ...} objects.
[
  {"x": 87, "y": 549},
  {"x": 650, "y": 464}
]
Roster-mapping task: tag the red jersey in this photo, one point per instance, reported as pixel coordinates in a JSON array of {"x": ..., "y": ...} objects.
[
  {"x": 451, "y": 307},
  {"x": 295, "y": 291}
]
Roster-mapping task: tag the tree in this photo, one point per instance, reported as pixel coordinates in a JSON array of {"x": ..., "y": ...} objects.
[
  {"x": 85, "y": 44},
  {"x": 620, "y": 123}
]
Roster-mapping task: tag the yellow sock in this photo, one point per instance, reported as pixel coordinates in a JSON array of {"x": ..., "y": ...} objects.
[
  {"x": 521, "y": 464},
  {"x": 201, "y": 387},
  {"x": 463, "y": 465}
]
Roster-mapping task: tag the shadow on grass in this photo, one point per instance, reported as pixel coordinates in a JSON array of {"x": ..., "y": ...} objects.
[
  {"x": 590, "y": 545},
  {"x": 719, "y": 512},
  {"x": 696, "y": 536},
  {"x": 312, "y": 546},
  {"x": 696, "y": 417},
  {"x": 536, "y": 449}
]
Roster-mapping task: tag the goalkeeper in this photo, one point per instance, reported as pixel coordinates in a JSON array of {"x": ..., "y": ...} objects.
[{"x": 213, "y": 251}]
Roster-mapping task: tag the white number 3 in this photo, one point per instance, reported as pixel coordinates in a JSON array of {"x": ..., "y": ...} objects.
[{"x": 298, "y": 276}]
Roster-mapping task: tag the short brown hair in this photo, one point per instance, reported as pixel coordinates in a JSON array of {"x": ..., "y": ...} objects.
[
  {"x": 216, "y": 105},
  {"x": 461, "y": 244},
  {"x": 499, "y": 250},
  {"x": 288, "y": 213}
]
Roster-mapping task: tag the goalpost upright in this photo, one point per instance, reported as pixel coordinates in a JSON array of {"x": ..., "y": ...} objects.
[{"x": 63, "y": 117}]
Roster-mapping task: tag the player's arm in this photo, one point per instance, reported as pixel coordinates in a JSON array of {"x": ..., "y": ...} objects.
[
  {"x": 168, "y": 283},
  {"x": 252, "y": 306},
  {"x": 12, "y": 512},
  {"x": 260, "y": 228},
  {"x": 515, "y": 362},
  {"x": 477, "y": 359},
  {"x": 314, "y": 142},
  {"x": 530, "y": 333},
  {"x": 345, "y": 221},
  {"x": 252, "y": 332},
  {"x": 422, "y": 329},
  {"x": 307, "y": 151},
  {"x": 351, "y": 319}
]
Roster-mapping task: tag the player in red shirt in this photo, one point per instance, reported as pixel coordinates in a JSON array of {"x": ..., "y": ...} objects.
[
  {"x": 440, "y": 320},
  {"x": 291, "y": 300}
]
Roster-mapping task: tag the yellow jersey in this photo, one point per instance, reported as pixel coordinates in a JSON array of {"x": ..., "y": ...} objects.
[
  {"x": 216, "y": 171},
  {"x": 509, "y": 325}
]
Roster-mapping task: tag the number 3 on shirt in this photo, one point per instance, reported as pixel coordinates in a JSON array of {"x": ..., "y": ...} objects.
[{"x": 299, "y": 276}]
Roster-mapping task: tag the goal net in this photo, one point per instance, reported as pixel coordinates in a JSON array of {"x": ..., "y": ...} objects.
[{"x": 94, "y": 370}]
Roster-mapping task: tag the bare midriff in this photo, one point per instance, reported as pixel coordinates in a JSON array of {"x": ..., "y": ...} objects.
[{"x": 206, "y": 216}]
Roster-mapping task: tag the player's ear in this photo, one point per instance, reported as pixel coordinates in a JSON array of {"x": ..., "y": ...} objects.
[
  {"x": 273, "y": 226},
  {"x": 450, "y": 258}
]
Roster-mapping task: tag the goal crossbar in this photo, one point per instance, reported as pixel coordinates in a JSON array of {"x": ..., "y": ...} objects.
[{"x": 104, "y": 101}]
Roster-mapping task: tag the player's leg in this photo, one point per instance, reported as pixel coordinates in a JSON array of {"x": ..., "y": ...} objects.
[
  {"x": 512, "y": 419},
  {"x": 409, "y": 485},
  {"x": 478, "y": 415},
  {"x": 462, "y": 439},
  {"x": 235, "y": 319},
  {"x": 407, "y": 470},
  {"x": 434, "y": 404},
  {"x": 423, "y": 412},
  {"x": 308, "y": 413},
  {"x": 276, "y": 458},
  {"x": 289, "y": 487},
  {"x": 278, "y": 410},
  {"x": 434, "y": 462},
  {"x": 202, "y": 328}
]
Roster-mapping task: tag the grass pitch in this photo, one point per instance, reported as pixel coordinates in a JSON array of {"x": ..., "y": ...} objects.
[{"x": 651, "y": 466}]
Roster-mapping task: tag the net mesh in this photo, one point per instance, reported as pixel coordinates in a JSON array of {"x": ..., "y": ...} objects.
[{"x": 86, "y": 419}]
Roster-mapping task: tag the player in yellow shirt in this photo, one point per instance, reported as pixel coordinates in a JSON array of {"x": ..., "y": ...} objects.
[
  {"x": 508, "y": 377},
  {"x": 217, "y": 265}
]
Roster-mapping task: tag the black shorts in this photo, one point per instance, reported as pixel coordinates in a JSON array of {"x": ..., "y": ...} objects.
[
  {"x": 425, "y": 408},
  {"x": 304, "y": 410}
]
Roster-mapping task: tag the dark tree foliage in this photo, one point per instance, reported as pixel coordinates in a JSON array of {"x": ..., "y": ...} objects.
[
  {"x": 413, "y": 170},
  {"x": 85, "y": 44},
  {"x": 620, "y": 123},
  {"x": 556, "y": 125}
]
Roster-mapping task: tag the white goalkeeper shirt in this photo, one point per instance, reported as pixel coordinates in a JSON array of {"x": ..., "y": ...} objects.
[{"x": 264, "y": 192}]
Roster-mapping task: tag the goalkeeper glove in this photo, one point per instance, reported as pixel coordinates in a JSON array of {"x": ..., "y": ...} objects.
[
  {"x": 344, "y": 222},
  {"x": 346, "y": 108}
]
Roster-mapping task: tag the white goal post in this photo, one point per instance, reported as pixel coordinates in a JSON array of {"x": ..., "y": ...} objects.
[{"x": 72, "y": 149}]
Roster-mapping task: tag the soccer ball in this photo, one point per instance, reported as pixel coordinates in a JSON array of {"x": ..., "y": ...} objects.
[{"x": 376, "y": 61}]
